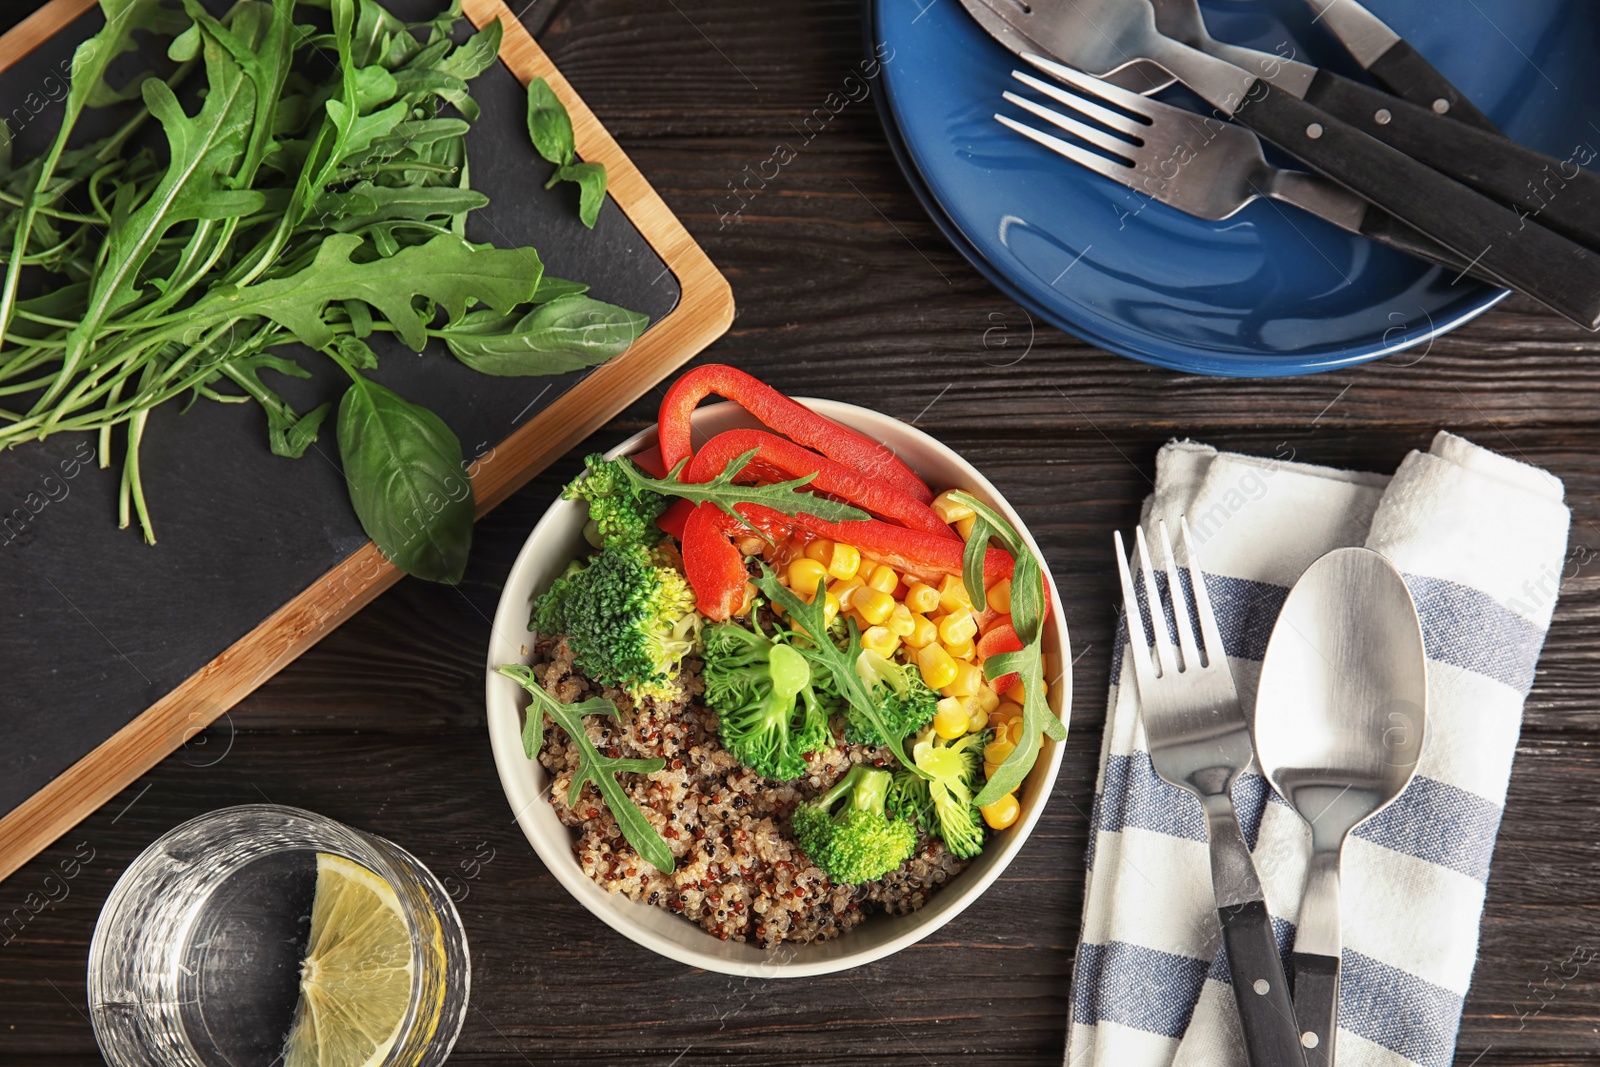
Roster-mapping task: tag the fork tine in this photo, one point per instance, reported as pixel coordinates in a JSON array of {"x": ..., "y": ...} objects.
[
  {"x": 1202, "y": 597},
  {"x": 1098, "y": 138},
  {"x": 1104, "y": 115},
  {"x": 1143, "y": 672},
  {"x": 1108, "y": 168},
  {"x": 1089, "y": 83},
  {"x": 1166, "y": 655},
  {"x": 1180, "y": 604}
]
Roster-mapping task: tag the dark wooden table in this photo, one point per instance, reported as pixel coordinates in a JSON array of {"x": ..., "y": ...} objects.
[{"x": 846, "y": 290}]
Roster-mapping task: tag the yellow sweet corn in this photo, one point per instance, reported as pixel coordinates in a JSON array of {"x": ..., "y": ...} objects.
[
  {"x": 977, "y": 718},
  {"x": 995, "y": 752},
  {"x": 874, "y": 605},
  {"x": 988, "y": 698},
  {"x": 923, "y": 632},
  {"x": 880, "y": 640},
  {"x": 901, "y": 621},
  {"x": 950, "y": 721},
  {"x": 949, "y": 509},
  {"x": 883, "y": 578},
  {"x": 1002, "y": 813},
  {"x": 1000, "y": 597},
  {"x": 845, "y": 589},
  {"x": 962, "y": 650},
  {"x": 964, "y": 526},
  {"x": 968, "y": 680},
  {"x": 820, "y": 550},
  {"x": 805, "y": 574},
  {"x": 953, "y": 595},
  {"x": 958, "y": 626},
  {"x": 922, "y": 598},
  {"x": 938, "y": 669},
  {"x": 844, "y": 561}
]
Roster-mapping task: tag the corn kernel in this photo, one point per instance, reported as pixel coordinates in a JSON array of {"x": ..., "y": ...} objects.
[
  {"x": 1007, "y": 710},
  {"x": 988, "y": 698},
  {"x": 820, "y": 550},
  {"x": 948, "y": 508},
  {"x": 977, "y": 718},
  {"x": 1000, "y": 597},
  {"x": 874, "y": 605},
  {"x": 958, "y": 626},
  {"x": 805, "y": 574},
  {"x": 901, "y": 621},
  {"x": 1002, "y": 813},
  {"x": 989, "y": 769},
  {"x": 883, "y": 578},
  {"x": 751, "y": 545},
  {"x": 923, "y": 632},
  {"x": 950, "y": 721},
  {"x": 859, "y": 619},
  {"x": 964, "y": 526},
  {"x": 845, "y": 589},
  {"x": 1014, "y": 732},
  {"x": 1016, "y": 693},
  {"x": 961, "y": 650},
  {"x": 844, "y": 561},
  {"x": 968, "y": 679},
  {"x": 995, "y": 752},
  {"x": 746, "y": 598},
  {"x": 938, "y": 669},
  {"x": 878, "y": 639},
  {"x": 830, "y": 608},
  {"x": 953, "y": 595},
  {"x": 922, "y": 597}
]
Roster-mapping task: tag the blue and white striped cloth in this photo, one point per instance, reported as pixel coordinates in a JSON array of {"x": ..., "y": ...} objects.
[{"x": 1481, "y": 540}]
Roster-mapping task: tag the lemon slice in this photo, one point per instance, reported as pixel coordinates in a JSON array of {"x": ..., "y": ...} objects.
[{"x": 355, "y": 981}]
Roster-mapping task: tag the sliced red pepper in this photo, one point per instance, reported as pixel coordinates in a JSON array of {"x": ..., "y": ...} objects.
[
  {"x": 712, "y": 564},
  {"x": 1002, "y": 638},
  {"x": 673, "y": 519},
  {"x": 789, "y": 460},
  {"x": 649, "y": 461},
  {"x": 780, "y": 413}
]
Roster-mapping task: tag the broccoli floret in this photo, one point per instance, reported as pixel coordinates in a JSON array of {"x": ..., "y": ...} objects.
[
  {"x": 770, "y": 711},
  {"x": 904, "y": 700},
  {"x": 620, "y": 510},
  {"x": 628, "y": 615},
  {"x": 856, "y": 841},
  {"x": 942, "y": 802}
]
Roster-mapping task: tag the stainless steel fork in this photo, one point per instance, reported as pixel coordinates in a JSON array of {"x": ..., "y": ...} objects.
[
  {"x": 1200, "y": 165},
  {"x": 1199, "y": 741}
]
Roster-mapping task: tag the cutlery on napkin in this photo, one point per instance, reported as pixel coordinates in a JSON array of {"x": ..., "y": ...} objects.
[{"x": 1481, "y": 539}]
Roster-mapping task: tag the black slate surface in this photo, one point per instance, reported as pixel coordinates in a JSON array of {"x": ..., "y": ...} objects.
[{"x": 95, "y": 625}]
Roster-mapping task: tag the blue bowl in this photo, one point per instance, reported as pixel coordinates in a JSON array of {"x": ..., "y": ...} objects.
[{"x": 1271, "y": 291}]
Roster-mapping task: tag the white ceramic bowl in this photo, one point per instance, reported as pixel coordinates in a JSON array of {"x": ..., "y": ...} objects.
[{"x": 557, "y": 539}]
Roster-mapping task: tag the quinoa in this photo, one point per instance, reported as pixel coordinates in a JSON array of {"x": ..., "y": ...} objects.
[{"x": 739, "y": 873}]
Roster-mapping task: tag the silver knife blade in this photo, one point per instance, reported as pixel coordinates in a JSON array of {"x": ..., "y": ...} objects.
[{"x": 1364, "y": 35}]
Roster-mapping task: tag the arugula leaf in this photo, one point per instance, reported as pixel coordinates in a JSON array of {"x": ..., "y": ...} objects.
[
  {"x": 568, "y": 333},
  {"x": 721, "y": 491},
  {"x": 593, "y": 766},
  {"x": 476, "y": 55},
  {"x": 549, "y": 125},
  {"x": 406, "y": 477},
  {"x": 288, "y": 434},
  {"x": 448, "y": 270},
  {"x": 841, "y": 663},
  {"x": 1027, "y": 619}
]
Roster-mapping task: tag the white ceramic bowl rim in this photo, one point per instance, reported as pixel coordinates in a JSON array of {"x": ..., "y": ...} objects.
[{"x": 556, "y": 539}]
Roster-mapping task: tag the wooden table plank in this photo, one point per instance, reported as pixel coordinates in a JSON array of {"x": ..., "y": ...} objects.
[{"x": 846, "y": 290}]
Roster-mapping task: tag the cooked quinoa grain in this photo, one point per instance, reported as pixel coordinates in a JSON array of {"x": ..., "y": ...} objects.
[{"x": 738, "y": 874}]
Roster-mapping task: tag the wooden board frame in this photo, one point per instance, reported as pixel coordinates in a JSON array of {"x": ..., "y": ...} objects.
[{"x": 704, "y": 313}]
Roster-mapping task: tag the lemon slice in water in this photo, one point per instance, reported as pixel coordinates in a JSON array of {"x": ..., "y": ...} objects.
[{"x": 355, "y": 981}]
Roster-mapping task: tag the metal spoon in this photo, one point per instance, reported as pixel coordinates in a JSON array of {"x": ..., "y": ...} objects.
[{"x": 1339, "y": 720}]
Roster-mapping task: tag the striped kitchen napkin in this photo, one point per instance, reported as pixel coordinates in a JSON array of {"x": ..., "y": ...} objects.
[{"x": 1481, "y": 540}]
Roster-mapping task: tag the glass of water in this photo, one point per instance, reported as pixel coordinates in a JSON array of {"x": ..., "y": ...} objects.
[{"x": 196, "y": 960}]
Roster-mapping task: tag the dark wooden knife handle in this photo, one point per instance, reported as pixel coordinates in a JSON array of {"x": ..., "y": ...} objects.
[
  {"x": 1316, "y": 1005},
  {"x": 1266, "y": 1015},
  {"x": 1385, "y": 229},
  {"x": 1556, "y": 193},
  {"x": 1404, "y": 72},
  {"x": 1558, "y": 273}
]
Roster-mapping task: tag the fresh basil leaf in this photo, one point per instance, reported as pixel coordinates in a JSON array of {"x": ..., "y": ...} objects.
[
  {"x": 404, "y": 470},
  {"x": 549, "y": 125},
  {"x": 591, "y": 181}
]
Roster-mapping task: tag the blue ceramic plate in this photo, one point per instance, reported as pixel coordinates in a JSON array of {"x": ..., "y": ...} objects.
[{"x": 1271, "y": 291}]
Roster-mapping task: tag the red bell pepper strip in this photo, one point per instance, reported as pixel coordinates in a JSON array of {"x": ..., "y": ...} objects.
[
  {"x": 1002, "y": 638},
  {"x": 675, "y": 517},
  {"x": 780, "y": 413},
  {"x": 712, "y": 564},
  {"x": 785, "y": 459}
]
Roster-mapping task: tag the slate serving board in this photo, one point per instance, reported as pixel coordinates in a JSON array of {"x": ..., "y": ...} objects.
[{"x": 100, "y": 631}]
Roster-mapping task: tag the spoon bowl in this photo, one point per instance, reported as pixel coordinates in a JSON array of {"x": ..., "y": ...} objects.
[{"x": 1339, "y": 723}]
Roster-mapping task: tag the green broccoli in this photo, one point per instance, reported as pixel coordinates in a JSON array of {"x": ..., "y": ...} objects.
[
  {"x": 858, "y": 841},
  {"x": 629, "y": 616},
  {"x": 942, "y": 801},
  {"x": 770, "y": 711},
  {"x": 905, "y": 703},
  {"x": 620, "y": 509}
]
